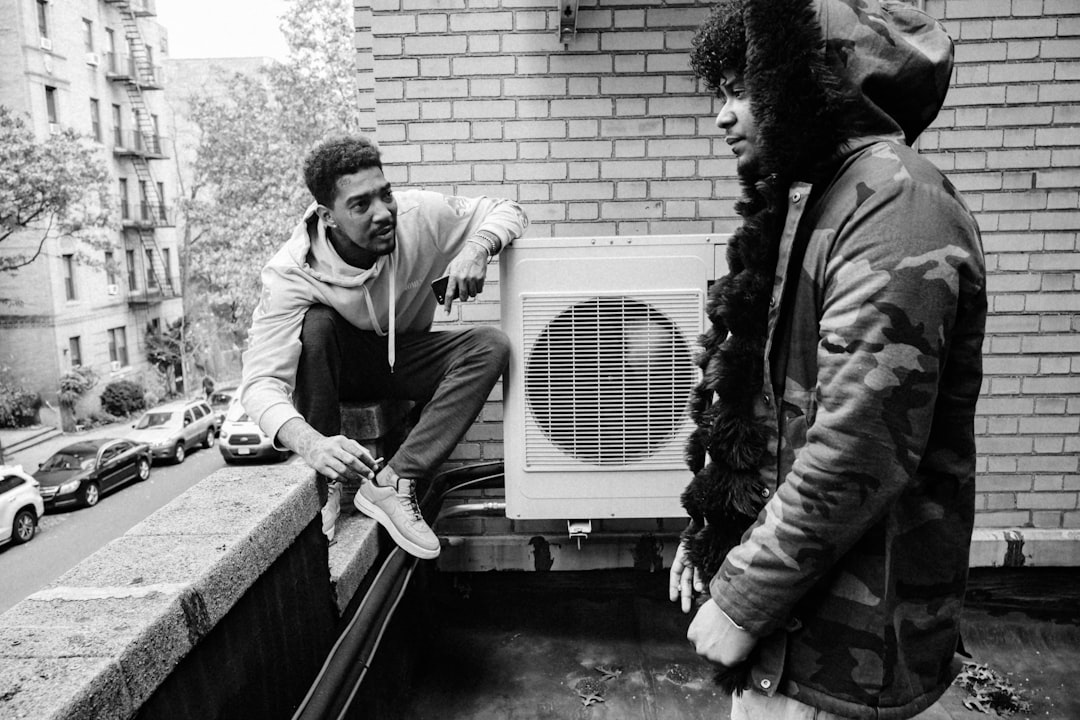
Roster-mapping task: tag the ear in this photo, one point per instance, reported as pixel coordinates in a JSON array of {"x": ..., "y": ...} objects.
[{"x": 325, "y": 215}]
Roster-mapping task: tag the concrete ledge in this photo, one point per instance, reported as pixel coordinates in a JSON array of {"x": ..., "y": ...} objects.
[
  {"x": 1025, "y": 547},
  {"x": 98, "y": 641},
  {"x": 354, "y": 551}
]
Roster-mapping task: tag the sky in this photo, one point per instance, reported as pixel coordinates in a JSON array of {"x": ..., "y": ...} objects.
[{"x": 222, "y": 28}]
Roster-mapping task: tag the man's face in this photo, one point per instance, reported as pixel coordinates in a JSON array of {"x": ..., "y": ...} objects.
[
  {"x": 737, "y": 121},
  {"x": 363, "y": 217}
]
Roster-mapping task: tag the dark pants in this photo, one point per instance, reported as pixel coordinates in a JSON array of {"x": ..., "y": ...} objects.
[{"x": 451, "y": 373}]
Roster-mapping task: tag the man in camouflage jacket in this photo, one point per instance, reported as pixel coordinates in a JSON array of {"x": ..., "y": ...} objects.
[{"x": 841, "y": 372}]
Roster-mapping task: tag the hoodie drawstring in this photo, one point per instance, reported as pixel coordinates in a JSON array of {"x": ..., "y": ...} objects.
[
  {"x": 391, "y": 344},
  {"x": 391, "y": 349}
]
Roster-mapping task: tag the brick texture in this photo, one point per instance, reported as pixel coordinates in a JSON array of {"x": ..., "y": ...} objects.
[{"x": 609, "y": 133}]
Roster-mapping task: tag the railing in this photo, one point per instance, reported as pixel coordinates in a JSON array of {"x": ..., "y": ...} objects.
[
  {"x": 144, "y": 213},
  {"x": 139, "y": 7},
  {"x": 132, "y": 142},
  {"x": 121, "y": 66}
]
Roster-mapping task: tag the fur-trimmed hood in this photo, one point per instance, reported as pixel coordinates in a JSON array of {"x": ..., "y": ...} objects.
[{"x": 821, "y": 73}]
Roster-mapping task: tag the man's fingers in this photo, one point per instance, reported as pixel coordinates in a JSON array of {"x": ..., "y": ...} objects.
[
  {"x": 687, "y": 591},
  {"x": 673, "y": 582}
]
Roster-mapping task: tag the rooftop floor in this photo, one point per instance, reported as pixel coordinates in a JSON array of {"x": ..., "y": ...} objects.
[{"x": 609, "y": 645}]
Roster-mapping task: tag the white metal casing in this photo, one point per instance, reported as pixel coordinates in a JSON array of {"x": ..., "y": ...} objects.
[{"x": 603, "y": 331}]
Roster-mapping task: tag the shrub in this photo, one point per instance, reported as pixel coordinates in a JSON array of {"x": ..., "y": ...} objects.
[
  {"x": 18, "y": 406},
  {"x": 122, "y": 398},
  {"x": 75, "y": 384}
]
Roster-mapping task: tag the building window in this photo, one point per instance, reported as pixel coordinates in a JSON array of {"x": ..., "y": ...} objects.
[
  {"x": 118, "y": 126},
  {"x": 151, "y": 276},
  {"x": 144, "y": 202},
  {"x": 166, "y": 261},
  {"x": 69, "y": 276},
  {"x": 124, "y": 214},
  {"x": 133, "y": 278},
  {"x": 118, "y": 351},
  {"x": 161, "y": 202},
  {"x": 88, "y": 34},
  {"x": 43, "y": 18},
  {"x": 110, "y": 268},
  {"x": 50, "y": 104},
  {"x": 95, "y": 118},
  {"x": 75, "y": 351}
]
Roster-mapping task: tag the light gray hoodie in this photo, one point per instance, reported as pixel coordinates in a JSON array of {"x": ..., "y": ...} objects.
[{"x": 394, "y": 295}]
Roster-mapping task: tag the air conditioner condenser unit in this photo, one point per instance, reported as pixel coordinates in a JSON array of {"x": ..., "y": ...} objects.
[{"x": 603, "y": 333}]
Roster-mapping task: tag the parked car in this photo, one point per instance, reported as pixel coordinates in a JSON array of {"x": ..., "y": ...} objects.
[
  {"x": 176, "y": 427},
  {"x": 21, "y": 505},
  {"x": 241, "y": 438},
  {"x": 221, "y": 399},
  {"x": 81, "y": 473}
]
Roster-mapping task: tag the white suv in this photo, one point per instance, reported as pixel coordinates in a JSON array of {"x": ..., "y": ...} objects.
[{"x": 20, "y": 505}]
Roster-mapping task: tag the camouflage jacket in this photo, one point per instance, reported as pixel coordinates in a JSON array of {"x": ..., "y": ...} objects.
[{"x": 853, "y": 575}]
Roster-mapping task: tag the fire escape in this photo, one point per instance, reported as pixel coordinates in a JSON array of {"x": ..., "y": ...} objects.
[{"x": 136, "y": 72}]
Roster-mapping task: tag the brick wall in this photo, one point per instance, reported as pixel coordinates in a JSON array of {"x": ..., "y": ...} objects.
[{"x": 610, "y": 134}]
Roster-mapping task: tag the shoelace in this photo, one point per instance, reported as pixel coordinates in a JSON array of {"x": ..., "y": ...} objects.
[{"x": 410, "y": 505}]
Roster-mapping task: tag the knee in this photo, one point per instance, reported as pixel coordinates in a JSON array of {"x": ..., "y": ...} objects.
[
  {"x": 320, "y": 326},
  {"x": 494, "y": 343}
]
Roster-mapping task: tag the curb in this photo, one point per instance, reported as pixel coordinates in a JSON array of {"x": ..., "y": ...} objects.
[{"x": 1025, "y": 547}]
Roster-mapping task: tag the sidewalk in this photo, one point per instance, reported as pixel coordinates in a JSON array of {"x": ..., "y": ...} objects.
[{"x": 32, "y": 456}]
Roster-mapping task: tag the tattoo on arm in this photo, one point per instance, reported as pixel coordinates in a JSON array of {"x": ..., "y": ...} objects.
[{"x": 298, "y": 436}]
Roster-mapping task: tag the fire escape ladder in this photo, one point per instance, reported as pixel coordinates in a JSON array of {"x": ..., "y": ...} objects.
[{"x": 144, "y": 75}]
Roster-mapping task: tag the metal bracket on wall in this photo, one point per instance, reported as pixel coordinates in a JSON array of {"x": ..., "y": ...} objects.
[
  {"x": 568, "y": 12},
  {"x": 578, "y": 530}
]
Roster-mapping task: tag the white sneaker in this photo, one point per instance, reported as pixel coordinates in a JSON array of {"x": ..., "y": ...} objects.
[{"x": 396, "y": 510}]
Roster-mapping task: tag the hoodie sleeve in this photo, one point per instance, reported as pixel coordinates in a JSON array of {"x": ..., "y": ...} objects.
[
  {"x": 458, "y": 218},
  {"x": 273, "y": 353},
  {"x": 899, "y": 276}
]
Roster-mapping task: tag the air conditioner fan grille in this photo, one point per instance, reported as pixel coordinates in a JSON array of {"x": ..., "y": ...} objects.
[{"x": 607, "y": 379}]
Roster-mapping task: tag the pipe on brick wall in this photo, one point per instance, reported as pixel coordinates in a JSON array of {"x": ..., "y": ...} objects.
[{"x": 343, "y": 672}]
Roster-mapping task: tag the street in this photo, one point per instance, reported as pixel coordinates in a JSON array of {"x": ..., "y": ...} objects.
[{"x": 66, "y": 537}]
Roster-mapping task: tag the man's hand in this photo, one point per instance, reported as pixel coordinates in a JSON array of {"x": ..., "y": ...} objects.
[
  {"x": 337, "y": 457},
  {"x": 467, "y": 272},
  {"x": 684, "y": 580},
  {"x": 716, "y": 638}
]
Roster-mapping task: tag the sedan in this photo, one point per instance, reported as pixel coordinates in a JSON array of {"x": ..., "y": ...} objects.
[
  {"x": 221, "y": 399},
  {"x": 80, "y": 474},
  {"x": 20, "y": 505},
  {"x": 241, "y": 438}
]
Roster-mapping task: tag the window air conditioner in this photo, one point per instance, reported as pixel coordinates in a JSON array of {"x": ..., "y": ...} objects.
[
  {"x": 54, "y": 128},
  {"x": 114, "y": 366},
  {"x": 92, "y": 58},
  {"x": 111, "y": 289},
  {"x": 603, "y": 333},
  {"x": 45, "y": 43}
]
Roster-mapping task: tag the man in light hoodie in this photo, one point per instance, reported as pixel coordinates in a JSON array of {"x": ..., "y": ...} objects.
[{"x": 346, "y": 313}]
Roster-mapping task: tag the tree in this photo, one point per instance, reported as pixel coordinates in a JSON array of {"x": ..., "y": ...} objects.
[
  {"x": 58, "y": 187},
  {"x": 165, "y": 351},
  {"x": 248, "y": 192}
]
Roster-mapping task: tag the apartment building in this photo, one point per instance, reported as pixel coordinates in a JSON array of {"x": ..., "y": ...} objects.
[{"x": 93, "y": 66}]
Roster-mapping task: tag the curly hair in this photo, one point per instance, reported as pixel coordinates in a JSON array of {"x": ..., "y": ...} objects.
[
  {"x": 334, "y": 157},
  {"x": 720, "y": 43}
]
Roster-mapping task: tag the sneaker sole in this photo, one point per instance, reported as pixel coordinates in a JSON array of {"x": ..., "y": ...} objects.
[{"x": 372, "y": 511}]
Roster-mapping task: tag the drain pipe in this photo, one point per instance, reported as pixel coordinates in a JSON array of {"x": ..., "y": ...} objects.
[{"x": 337, "y": 683}]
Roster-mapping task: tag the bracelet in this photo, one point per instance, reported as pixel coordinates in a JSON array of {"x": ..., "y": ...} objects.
[
  {"x": 495, "y": 245},
  {"x": 483, "y": 245}
]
